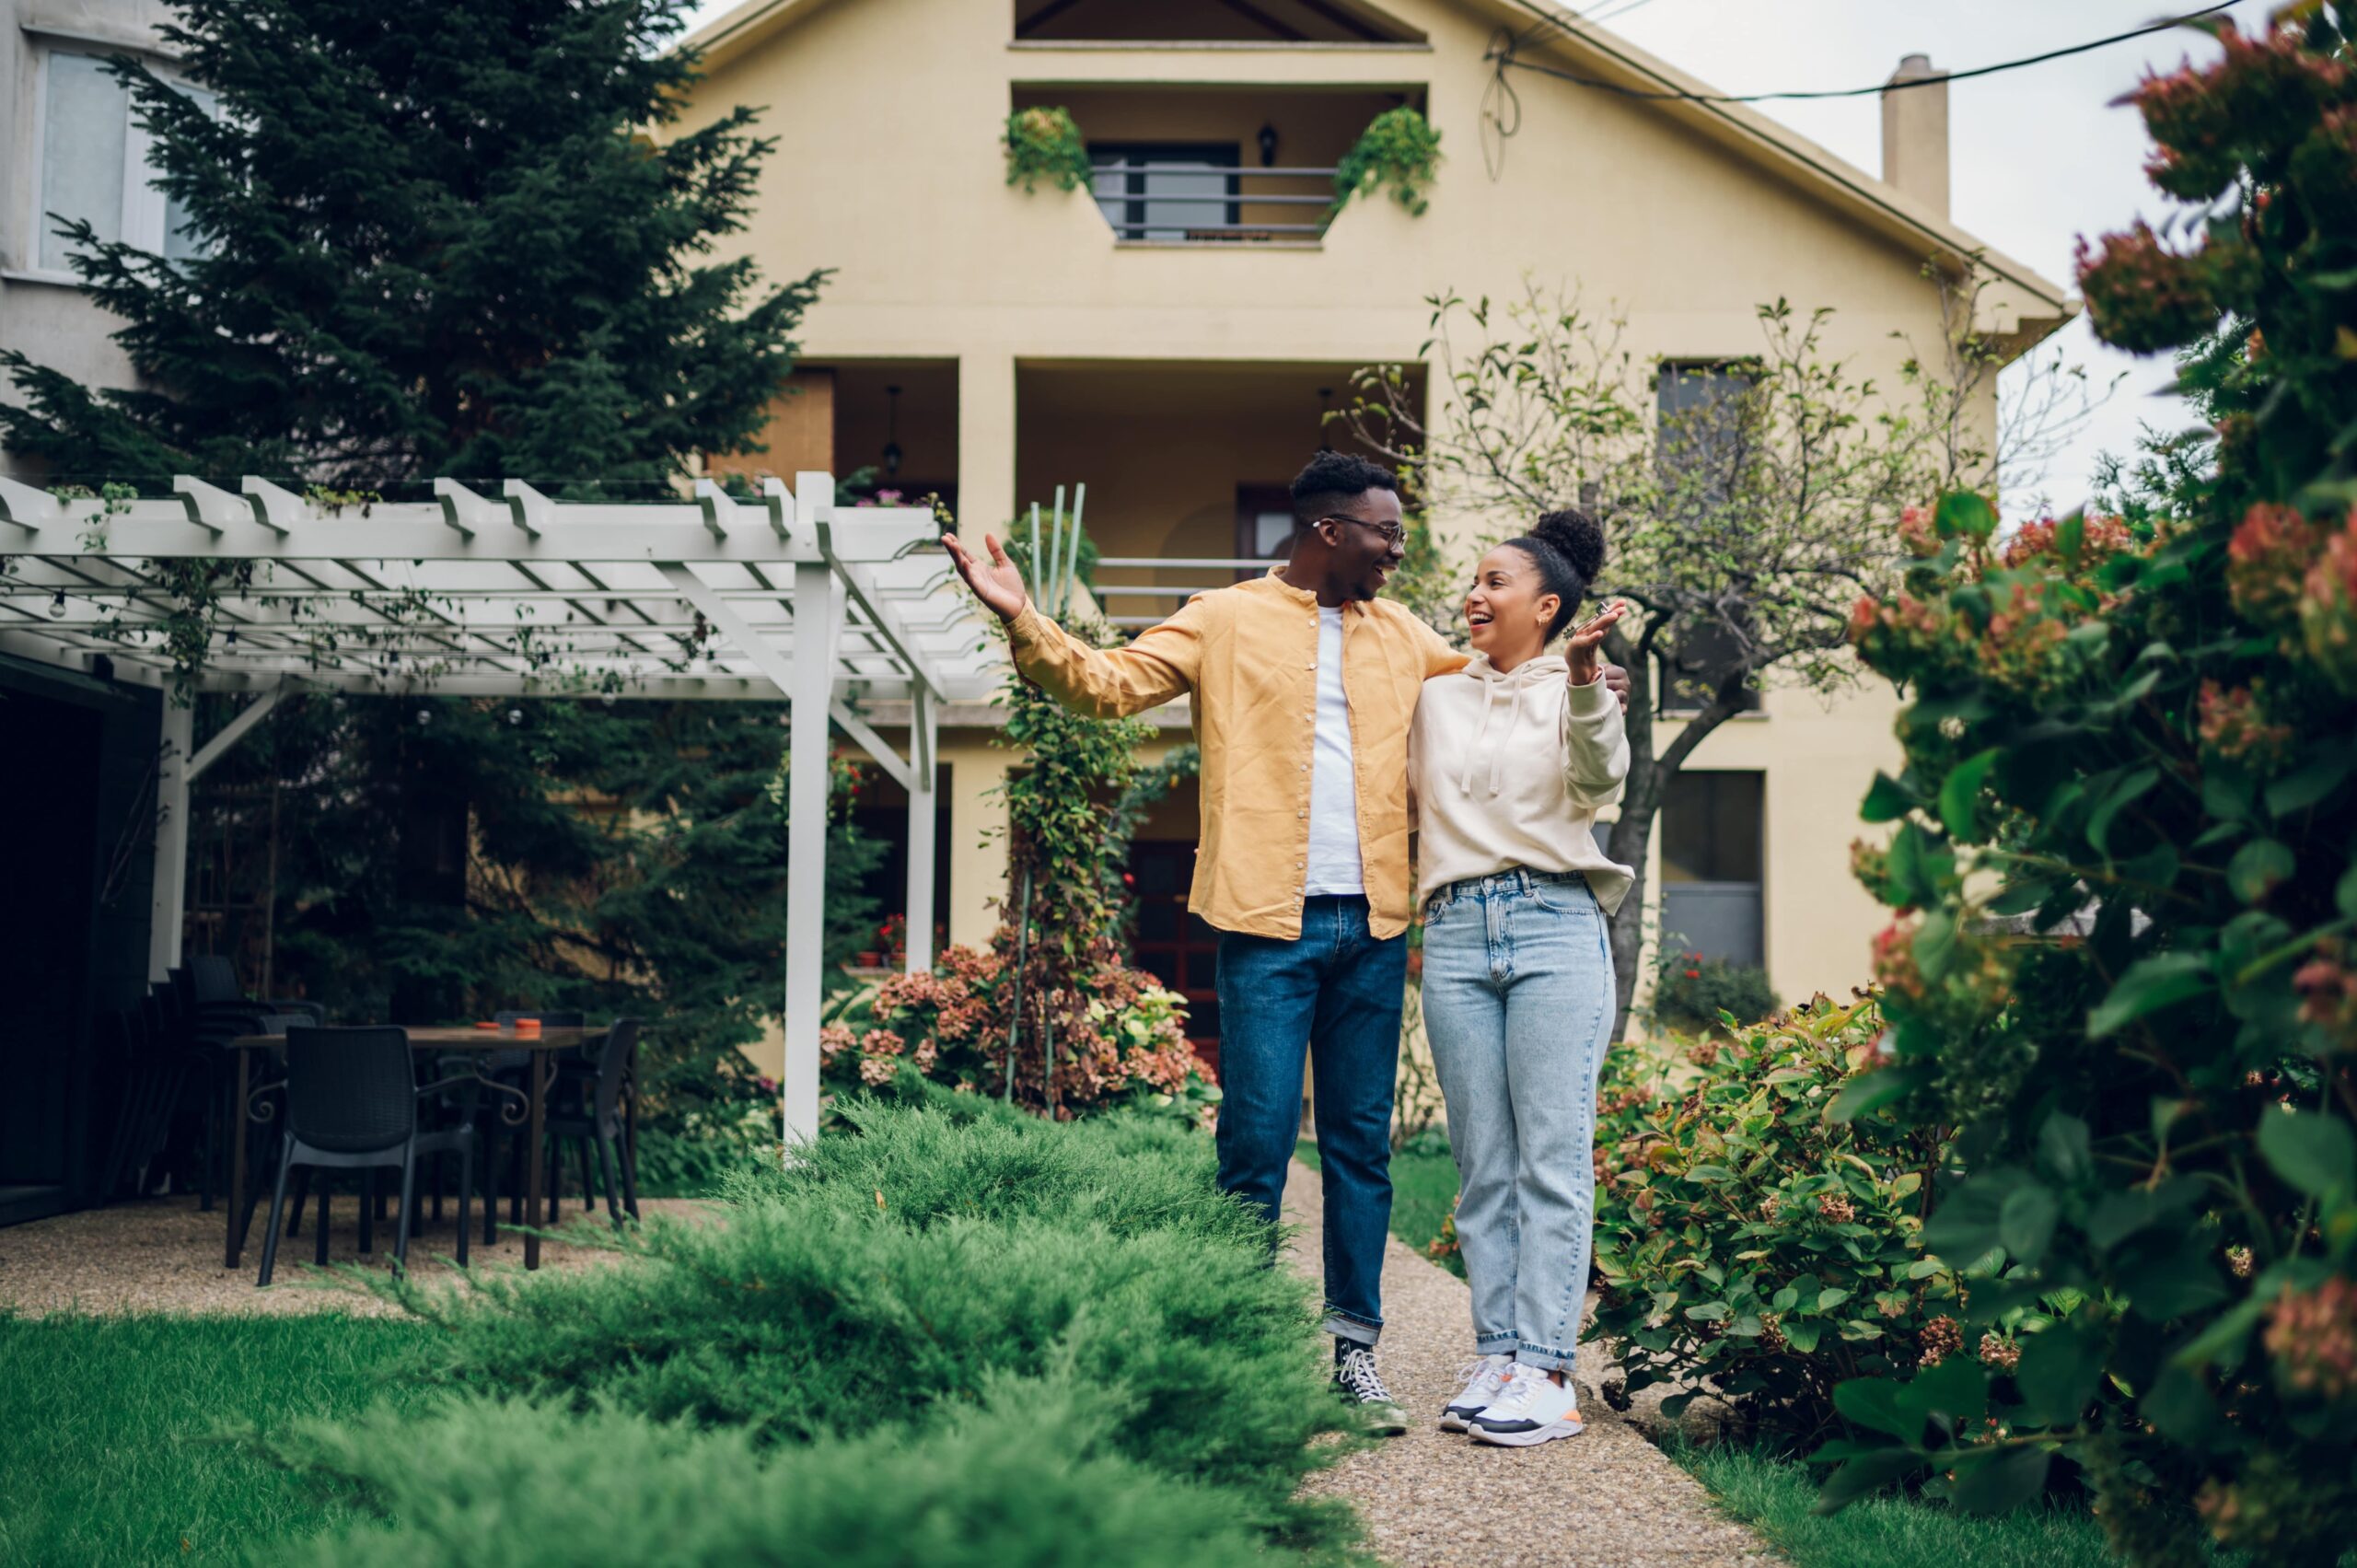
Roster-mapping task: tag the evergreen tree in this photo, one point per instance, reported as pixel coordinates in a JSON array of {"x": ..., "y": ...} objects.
[{"x": 429, "y": 239}]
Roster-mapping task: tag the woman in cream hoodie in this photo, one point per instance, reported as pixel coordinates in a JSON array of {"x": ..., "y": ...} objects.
[{"x": 1508, "y": 762}]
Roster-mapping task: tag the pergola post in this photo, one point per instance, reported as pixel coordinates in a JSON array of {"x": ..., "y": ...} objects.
[
  {"x": 806, "y": 853},
  {"x": 923, "y": 850},
  {"x": 169, "y": 898}
]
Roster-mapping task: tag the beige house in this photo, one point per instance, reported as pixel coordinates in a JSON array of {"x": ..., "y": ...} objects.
[
  {"x": 1165, "y": 337},
  {"x": 1160, "y": 338}
]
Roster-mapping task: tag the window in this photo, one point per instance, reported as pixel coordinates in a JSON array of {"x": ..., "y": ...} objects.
[
  {"x": 1264, "y": 522},
  {"x": 1166, "y": 190},
  {"x": 1702, "y": 447},
  {"x": 95, "y": 165},
  {"x": 1712, "y": 864}
]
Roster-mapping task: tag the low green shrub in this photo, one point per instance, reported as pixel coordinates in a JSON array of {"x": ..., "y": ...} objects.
[
  {"x": 1745, "y": 1240},
  {"x": 939, "y": 1157},
  {"x": 517, "y": 1485},
  {"x": 865, "y": 1290}
]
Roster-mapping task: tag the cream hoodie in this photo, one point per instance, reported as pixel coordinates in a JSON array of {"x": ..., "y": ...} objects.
[{"x": 1509, "y": 770}]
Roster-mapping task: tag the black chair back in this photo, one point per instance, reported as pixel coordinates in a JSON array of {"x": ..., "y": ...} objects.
[
  {"x": 614, "y": 1064},
  {"x": 212, "y": 977},
  {"x": 350, "y": 1090}
]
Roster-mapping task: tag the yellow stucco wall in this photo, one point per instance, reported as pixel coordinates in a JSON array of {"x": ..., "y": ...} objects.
[{"x": 1074, "y": 354}]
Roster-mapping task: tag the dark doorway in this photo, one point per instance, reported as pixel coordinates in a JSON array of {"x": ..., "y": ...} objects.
[
  {"x": 1174, "y": 945},
  {"x": 76, "y": 794},
  {"x": 881, "y": 814}
]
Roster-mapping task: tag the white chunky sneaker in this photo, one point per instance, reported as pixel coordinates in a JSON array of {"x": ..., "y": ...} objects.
[
  {"x": 1358, "y": 1383},
  {"x": 1486, "y": 1377},
  {"x": 1533, "y": 1409}
]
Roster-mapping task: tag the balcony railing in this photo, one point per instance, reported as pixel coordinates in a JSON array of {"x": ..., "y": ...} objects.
[
  {"x": 1162, "y": 600},
  {"x": 1204, "y": 203}
]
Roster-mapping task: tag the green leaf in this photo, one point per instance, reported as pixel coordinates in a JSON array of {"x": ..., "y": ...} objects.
[
  {"x": 1869, "y": 1092},
  {"x": 2062, "y": 1148},
  {"x": 2172, "y": 1283},
  {"x": 1961, "y": 793},
  {"x": 2314, "y": 1154},
  {"x": 2058, "y": 1375},
  {"x": 1827, "y": 1300},
  {"x": 1803, "y": 1336},
  {"x": 2344, "y": 894},
  {"x": 1935, "y": 944},
  {"x": 2151, "y": 984},
  {"x": 2258, "y": 868},
  {"x": 2123, "y": 795},
  {"x": 2225, "y": 1337},
  {"x": 2027, "y": 1222},
  {"x": 1956, "y": 1389},
  {"x": 2001, "y": 1484},
  {"x": 1961, "y": 512},
  {"x": 2298, "y": 791},
  {"x": 1860, "y": 1476},
  {"x": 2179, "y": 1407},
  {"x": 1709, "y": 1173},
  {"x": 1886, "y": 800},
  {"x": 1709, "y": 1312},
  {"x": 1785, "y": 1299},
  {"x": 1873, "y": 1403}
]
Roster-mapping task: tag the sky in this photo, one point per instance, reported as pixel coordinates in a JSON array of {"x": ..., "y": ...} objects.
[{"x": 2038, "y": 156}]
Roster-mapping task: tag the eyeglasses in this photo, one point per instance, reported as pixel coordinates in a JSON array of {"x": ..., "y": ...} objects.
[{"x": 1393, "y": 533}]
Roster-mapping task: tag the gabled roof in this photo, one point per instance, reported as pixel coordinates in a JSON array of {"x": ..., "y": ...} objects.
[{"x": 2023, "y": 307}]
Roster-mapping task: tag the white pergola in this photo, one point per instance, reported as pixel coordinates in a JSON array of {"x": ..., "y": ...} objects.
[{"x": 520, "y": 595}]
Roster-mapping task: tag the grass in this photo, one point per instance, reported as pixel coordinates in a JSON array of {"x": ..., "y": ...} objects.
[
  {"x": 1423, "y": 1192},
  {"x": 1778, "y": 1498},
  {"x": 110, "y": 1423}
]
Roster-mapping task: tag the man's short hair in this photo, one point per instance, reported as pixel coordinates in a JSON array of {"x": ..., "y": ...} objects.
[{"x": 1333, "y": 480}]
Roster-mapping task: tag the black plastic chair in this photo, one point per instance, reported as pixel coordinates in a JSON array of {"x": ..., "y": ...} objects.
[
  {"x": 596, "y": 1115},
  {"x": 352, "y": 1102},
  {"x": 507, "y": 1068}
]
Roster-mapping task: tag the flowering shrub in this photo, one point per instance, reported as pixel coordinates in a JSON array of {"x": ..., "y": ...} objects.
[
  {"x": 1692, "y": 992},
  {"x": 2122, "y": 969},
  {"x": 1120, "y": 1038},
  {"x": 1745, "y": 1239}
]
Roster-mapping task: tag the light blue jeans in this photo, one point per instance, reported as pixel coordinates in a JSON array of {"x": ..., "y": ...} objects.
[{"x": 1518, "y": 1004}]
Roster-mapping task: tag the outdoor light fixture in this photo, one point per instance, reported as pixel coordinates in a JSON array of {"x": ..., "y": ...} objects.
[
  {"x": 892, "y": 432},
  {"x": 57, "y": 606},
  {"x": 1268, "y": 145},
  {"x": 425, "y": 716},
  {"x": 514, "y": 715}
]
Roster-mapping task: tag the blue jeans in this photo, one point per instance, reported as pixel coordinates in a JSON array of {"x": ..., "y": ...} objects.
[
  {"x": 1518, "y": 1004},
  {"x": 1336, "y": 989}
]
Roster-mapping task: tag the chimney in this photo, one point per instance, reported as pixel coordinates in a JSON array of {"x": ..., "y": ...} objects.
[{"x": 1915, "y": 133}]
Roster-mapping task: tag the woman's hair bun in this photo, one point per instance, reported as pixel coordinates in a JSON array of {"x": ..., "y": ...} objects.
[{"x": 1577, "y": 536}]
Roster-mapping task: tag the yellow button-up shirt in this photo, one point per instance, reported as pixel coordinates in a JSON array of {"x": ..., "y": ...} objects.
[{"x": 1249, "y": 656}]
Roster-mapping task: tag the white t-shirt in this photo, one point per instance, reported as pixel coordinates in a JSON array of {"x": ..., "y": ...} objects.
[{"x": 1334, "y": 865}]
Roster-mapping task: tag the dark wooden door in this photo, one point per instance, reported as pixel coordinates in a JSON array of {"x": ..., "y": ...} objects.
[{"x": 1174, "y": 945}]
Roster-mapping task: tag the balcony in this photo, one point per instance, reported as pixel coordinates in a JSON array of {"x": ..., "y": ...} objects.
[{"x": 1216, "y": 166}]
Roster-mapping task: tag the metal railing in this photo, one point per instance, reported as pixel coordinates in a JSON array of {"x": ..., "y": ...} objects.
[
  {"x": 1164, "y": 598},
  {"x": 1127, "y": 193}
]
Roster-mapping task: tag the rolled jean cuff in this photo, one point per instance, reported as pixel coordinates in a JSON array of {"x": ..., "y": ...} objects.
[
  {"x": 1544, "y": 1359},
  {"x": 1342, "y": 1326},
  {"x": 1496, "y": 1345}
]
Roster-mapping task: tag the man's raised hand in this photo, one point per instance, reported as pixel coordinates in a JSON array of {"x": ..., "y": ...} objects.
[{"x": 997, "y": 583}]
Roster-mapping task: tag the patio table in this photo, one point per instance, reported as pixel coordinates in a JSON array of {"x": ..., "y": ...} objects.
[{"x": 543, "y": 1047}]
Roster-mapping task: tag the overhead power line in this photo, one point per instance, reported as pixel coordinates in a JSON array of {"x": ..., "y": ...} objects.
[{"x": 1506, "y": 56}]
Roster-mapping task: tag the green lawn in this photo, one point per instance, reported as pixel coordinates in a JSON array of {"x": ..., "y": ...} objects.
[
  {"x": 1776, "y": 1497},
  {"x": 1423, "y": 1192},
  {"x": 112, "y": 1450}
]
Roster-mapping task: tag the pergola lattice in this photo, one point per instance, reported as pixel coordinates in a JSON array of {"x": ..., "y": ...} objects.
[{"x": 521, "y": 596}]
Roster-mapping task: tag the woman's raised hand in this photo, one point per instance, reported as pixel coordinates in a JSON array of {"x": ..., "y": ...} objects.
[
  {"x": 998, "y": 583},
  {"x": 1581, "y": 649}
]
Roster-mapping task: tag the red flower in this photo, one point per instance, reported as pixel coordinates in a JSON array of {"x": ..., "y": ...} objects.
[{"x": 1693, "y": 974}]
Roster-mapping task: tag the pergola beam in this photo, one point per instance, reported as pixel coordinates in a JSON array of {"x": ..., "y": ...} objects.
[{"x": 252, "y": 714}]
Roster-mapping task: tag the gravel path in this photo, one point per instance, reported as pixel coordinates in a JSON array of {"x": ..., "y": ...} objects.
[
  {"x": 161, "y": 1255},
  {"x": 1605, "y": 1499}
]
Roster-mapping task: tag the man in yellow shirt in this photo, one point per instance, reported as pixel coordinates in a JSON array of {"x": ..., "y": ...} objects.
[{"x": 1303, "y": 684}]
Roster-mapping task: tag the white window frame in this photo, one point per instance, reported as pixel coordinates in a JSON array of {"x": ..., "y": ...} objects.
[{"x": 144, "y": 202}]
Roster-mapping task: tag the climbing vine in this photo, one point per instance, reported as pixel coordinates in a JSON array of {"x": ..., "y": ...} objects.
[
  {"x": 1399, "y": 152},
  {"x": 1044, "y": 144}
]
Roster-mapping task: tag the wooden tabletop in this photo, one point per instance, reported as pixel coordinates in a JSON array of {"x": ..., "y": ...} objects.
[{"x": 454, "y": 1040}]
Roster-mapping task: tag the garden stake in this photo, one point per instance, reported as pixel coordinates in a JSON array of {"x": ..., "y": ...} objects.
[
  {"x": 1022, "y": 955},
  {"x": 1056, "y": 558},
  {"x": 1048, "y": 1054},
  {"x": 1071, "y": 549}
]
